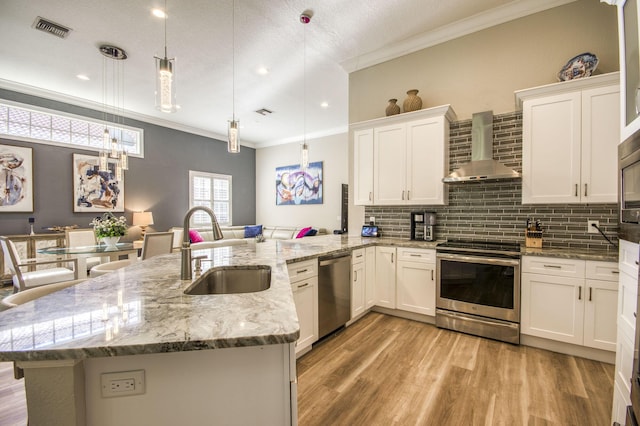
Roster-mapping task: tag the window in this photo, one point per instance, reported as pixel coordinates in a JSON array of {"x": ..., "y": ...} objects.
[
  {"x": 40, "y": 125},
  {"x": 210, "y": 190}
]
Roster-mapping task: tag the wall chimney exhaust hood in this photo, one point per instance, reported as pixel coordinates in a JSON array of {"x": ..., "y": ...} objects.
[{"x": 482, "y": 166}]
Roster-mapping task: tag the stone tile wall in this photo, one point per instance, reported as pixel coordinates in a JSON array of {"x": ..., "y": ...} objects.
[{"x": 493, "y": 210}]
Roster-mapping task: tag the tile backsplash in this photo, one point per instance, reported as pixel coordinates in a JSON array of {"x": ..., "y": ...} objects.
[{"x": 494, "y": 210}]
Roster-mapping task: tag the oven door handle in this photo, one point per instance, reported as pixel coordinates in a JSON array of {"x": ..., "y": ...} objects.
[{"x": 479, "y": 259}]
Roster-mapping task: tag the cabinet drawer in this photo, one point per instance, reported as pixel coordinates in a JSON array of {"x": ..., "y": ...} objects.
[
  {"x": 357, "y": 256},
  {"x": 302, "y": 270},
  {"x": 606, "y": 271},
  {"x": 417, "y": 255},
  {"x": 553, "y": 266},
  {"x": 628, "y": 258}
]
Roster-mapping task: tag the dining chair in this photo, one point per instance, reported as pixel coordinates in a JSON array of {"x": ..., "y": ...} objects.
[
  {"x": 37, "y": 277},
  {"x": 83, "y": 238},
  {"x": 30, "y": 294},
  {"x": 155, "y": 243}
]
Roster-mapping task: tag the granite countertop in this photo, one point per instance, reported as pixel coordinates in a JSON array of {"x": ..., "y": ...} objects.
[
  {"x": 142, "y": 309},
  {"x": 572, "y": 253}
]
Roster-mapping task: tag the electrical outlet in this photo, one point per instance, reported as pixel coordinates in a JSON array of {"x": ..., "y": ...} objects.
[
  {"x": 592, "y": 229},
  {"x": 372, "y": 219},
  {"x": 123, "y": 383}
]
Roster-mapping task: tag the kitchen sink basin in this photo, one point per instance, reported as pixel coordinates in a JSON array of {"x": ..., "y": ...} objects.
[{"x": 231, "y": 280}]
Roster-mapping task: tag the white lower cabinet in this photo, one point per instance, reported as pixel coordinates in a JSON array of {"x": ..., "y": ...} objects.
[
  {"x": 627, "y": 311},
  {"x": 569, "y": 300},
  {"x": 358, "y": 282},
  {"x": 385, "y": 281},
  {"x": 370, "y": 273},
  {"x": 304, "y": 285},
  {"x": 415, "y": 281}
]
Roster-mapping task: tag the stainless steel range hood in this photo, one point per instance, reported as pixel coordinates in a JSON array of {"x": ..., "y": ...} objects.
[{"x": 482, "y": 166}]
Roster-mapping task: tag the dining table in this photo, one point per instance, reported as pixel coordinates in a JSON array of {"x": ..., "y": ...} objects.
[{"x": 84, "y": 252}]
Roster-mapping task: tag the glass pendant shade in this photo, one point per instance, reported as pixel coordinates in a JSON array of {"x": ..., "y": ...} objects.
[
  {"x": 165, "y": 84},
  {"x": 114, "y": 148},
  {"x": 106, "y": 139},
  {"x": 233, "y": 144},
  {"x": 103, "y": 165},
  {"x": 124, "y": 160},
  {"x": 118, "y": 172},
  {"x": 304, "y": 156}
]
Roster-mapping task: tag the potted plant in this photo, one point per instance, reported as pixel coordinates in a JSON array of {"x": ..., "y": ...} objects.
[{"x": 109, "y": 228}]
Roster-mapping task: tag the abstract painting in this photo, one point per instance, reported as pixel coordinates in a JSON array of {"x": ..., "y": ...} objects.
[
  {"x": 95, "y": 190},
  {"x": 16, "y": 179},
  {"x": 296, "y": 186}
]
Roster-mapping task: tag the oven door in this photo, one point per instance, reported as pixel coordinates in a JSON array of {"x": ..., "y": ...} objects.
[{"x": 484, "y": 286}]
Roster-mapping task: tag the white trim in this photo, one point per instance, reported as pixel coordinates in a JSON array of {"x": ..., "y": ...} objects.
[{"x": 478, "y": 22}]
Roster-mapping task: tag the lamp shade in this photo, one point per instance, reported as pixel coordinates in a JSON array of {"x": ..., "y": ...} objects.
[{"x": 142, "y": 218}]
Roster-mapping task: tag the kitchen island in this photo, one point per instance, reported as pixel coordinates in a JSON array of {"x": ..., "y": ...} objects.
[{"x": 219, "y": 357}]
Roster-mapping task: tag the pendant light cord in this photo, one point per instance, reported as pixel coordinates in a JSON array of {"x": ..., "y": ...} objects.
[
  {"x": 233, "y": 61},
  {"x": 166, "y": 16}
]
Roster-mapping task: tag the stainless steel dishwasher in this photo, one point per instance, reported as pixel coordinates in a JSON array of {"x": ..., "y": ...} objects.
[{"x": 334, "y": 293}]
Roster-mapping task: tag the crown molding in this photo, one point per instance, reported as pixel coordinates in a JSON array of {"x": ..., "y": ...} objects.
[{"x": 481, "y": 21}]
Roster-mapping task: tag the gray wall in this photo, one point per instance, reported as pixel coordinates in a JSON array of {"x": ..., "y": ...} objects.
[
  {"x": 158, "y": 183},
  {"x": 494, "y": 210}
]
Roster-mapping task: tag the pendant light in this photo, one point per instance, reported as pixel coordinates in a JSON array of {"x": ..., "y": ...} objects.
[
  {"x": 233, "y": 142},
  {"x": 305, "y": 18},
  {"x": 165, "y": 76}
]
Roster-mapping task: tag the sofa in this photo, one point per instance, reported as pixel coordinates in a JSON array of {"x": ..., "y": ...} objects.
[{"x": 235, "y": 235}]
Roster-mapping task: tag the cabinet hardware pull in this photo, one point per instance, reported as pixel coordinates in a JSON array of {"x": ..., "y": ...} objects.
[
  {"x": 370, "y": 195},
  {"x": 615, "y": 272},
  {"x": 590, "y": 291},
  {"x": 576, "y": 194},
  {"x": 358, "y": 255},
  {"x": 585, "y": 189},
  {"x": 432, "y": 275},
  {"x": 403, "y": 195},
  {"x": 415, "y": 255},
  {"x": 355, "y": 278},
  {"x": 392, "y": 257},
  {"x": 301, "y": 271},
  {"x": 408, "y": 195},
  {"x": 553, "y": 266},
  {"x": 579, "y": 293},
  {"x": 303, "y": 285}
]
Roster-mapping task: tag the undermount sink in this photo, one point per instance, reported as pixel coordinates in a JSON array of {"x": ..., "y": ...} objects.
[{"x": 231, "y": 280}]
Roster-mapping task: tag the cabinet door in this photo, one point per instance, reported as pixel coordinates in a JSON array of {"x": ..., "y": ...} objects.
[
  {"x": 370, "y": 273},
  {"x": 551, "y": 138},
  {"x": 427, "y": 161},
  {"x": 600, "y": 314},
  {"x": 600, "y": 137},
  {"x": 416, "y": 287},
  {"x": 553, "y": 307},
  {"x": 385, "y": 291},
  {"x": 358, "y": 279},
  {"x": 389, "y": 164},
  {"x": 363, "y": 167},
  {"x": 305, "y": 296}
]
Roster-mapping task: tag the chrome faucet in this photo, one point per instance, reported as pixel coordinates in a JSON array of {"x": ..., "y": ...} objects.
[{"x": 185, "y": 272}]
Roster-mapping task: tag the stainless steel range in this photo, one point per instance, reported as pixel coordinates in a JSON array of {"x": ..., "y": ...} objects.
[{"x": 478, "y": 288}]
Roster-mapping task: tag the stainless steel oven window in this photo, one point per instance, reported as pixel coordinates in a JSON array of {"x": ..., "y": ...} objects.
[{"x": 484, "y": 286}]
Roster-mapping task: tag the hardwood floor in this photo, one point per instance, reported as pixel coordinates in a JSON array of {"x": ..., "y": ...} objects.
[{"x": 390, "y": 371}]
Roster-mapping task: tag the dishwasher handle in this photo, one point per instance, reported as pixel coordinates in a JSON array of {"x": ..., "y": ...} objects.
[{"x": 333, "y": 260}]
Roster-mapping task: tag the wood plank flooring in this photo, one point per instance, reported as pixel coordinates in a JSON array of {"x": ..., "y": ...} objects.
[{"x": 390, "y": 371}]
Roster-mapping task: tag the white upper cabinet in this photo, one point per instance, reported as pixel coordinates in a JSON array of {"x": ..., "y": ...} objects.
[
  {"x": 570, "y": 133},
  {"x": 401, "y": 159}
]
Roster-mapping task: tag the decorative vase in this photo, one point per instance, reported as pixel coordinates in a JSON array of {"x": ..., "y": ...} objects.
[
  {"x": 110, "y": 242},
  {"x": 412, "y": 102},
  {"x": 392, "y": 108}
]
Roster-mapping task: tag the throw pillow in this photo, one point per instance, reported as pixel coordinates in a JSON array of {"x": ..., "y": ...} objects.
[
  {"x": 303, "y": 232},
  {"x": 252, "y": 231},
  {"x": 195, "y": 237},
  {"x": 311, "y": 232}
]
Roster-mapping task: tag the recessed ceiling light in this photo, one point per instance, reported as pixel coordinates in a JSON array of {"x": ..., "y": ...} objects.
[
  {"x": 159, "y": 13},
  {"x": 262, "y": 70},
  {"x": 325, "y": 105},
  {"x": 83, "y": 77}
]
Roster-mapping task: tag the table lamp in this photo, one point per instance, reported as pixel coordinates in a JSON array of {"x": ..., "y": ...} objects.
[{"x": 142, "y": 219}]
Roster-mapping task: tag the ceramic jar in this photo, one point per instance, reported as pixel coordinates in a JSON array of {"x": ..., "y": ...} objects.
[
  {"x": 392, "y": 108},
  {"x": 412, "y": 102}
]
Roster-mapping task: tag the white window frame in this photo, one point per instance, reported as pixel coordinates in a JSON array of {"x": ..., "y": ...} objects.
[
  {"x": 135, "y": 149},
  {"x": 212, "y": 176}
]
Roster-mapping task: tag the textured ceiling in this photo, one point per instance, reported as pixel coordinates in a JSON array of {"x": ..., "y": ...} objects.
[{"x": 342, "y": 36}]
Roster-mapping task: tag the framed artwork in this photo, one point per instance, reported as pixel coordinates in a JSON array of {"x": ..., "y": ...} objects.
[
  {"x": 16, "y": 179},
  {"x": 94, "y": 190},
  {"x": 297, "y": 186}
]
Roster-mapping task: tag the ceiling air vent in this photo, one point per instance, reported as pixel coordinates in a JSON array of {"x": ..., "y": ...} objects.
[
  {"x": 264, "y": 111},
  {"x": 51, "y": 27}
]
